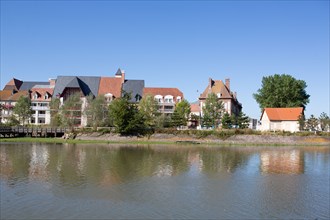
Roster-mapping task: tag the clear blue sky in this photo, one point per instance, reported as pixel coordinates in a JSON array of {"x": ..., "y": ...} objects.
[{"x": 171, "y": 44}]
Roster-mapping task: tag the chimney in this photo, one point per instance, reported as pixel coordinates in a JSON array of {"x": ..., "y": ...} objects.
[
  {"x": 210, "y": 85},
  {"x": 228, "y": 84},
  {"x": 122, "y": 76},
  {"x": 52, "y": 81}
]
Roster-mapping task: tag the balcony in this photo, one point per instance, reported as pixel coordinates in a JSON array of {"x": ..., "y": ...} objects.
[{"x": 37, "y": 108}]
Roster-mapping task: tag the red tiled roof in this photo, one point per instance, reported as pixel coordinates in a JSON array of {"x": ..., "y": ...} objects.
[
  {"x": 110, "y": 85},
  {"x": 7, "y": 95},
  {"x": 217, "y": 86},
  {"x": 13, "y": 84},
  {"x": 175, "y": 92},
  {"x": 195, "y": 107},
  {"x": 283, "y": 114},
  {"x": 42, "y": 92}
]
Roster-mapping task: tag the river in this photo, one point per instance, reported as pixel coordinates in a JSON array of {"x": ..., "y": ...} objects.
[{"x": 63, "y": 181}]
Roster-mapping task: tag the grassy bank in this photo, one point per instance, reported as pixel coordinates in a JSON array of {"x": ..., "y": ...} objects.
[{"x": 144, "y": 141}]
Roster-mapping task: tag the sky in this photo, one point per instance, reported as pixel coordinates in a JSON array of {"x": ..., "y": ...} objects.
[{"x": 171, "y": 44}]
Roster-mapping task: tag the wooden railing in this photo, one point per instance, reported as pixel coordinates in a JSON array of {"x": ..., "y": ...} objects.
[{"x": 31, "y": 131}]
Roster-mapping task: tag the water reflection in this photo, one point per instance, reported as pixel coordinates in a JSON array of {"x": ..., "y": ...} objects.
[
  {"x": 163, "y": 182},
  {"x": 289, "y": 161}
]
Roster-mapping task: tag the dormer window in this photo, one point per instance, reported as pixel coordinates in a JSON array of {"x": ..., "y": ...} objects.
[
  {"x": 178, "y": 99},
  {"x": 35, "y": 95},
  {"x": 219, "y": 95},
  {"x": 108, "y": 97},
  {"x": 159, "y": 98},
  {"x": 168, "y": 99},
  {"x": 46, "y": 96}
]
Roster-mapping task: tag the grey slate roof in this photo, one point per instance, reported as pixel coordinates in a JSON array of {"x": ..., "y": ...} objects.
[
  {"x": 135, "y": 88},
  {"x": 88, "y": 84},
  {"x": 29, "y": 85}
]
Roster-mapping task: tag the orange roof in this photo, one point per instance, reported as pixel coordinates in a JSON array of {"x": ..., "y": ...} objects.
[
  {"x": 13, "y": 84},
  {"x": 7, "y": 95},
  {"x": 195, "y": 107},
  {"x": 217, "y": 86},
  {"x": 110, "y": 85},
  {"x": 42, "y": 92},
  {"x": 283, "y": 114},
  {"x": 175, "y": 92}
]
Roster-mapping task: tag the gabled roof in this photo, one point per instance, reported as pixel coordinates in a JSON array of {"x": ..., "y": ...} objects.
[
  {"x": 7, "y": 95},
  {"x": 110, "y": 85},
  {"x": 283, "y": 114},
  {"x": 135, "y": 88},
  {"x": 13, "y": 84},
  {"x": 175, "y": 92},
  {"x": 42, "y": 90},
  {"x": 87, "y": 84},
  {"x": 217, "y": 86}
]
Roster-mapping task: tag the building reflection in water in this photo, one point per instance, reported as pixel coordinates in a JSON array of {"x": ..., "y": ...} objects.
[{"x": 282, "y": 161}]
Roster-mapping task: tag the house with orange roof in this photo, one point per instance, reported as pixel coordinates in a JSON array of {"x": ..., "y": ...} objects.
[
  {"x": 224, "y": 94},
  {"x": 280, "y": 119},
  {"x": 195, "y": 111},
  {"x": 166, "y": 98},
  {"x": 8, "y": 99}
]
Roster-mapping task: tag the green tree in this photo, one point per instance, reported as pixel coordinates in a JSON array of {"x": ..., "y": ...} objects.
[
  {"x": 148, "y": 107},
  {"x": 226, "y": 121},
  {"x": 242, "y": 121},
  {"x": 96, "y": 111},
  {"x": 23, "y": 109},
  {"x": 55, "y": 116},
  {"x": 280, "y": 91},
  {"x": 302, "y": 122},
  {"x": 71, "y": 111},
  {"x": 212, "y": 111},
  {"x": 126, "y": 117},
  {"x": 312, "y": 123},
  {"x": 324, "y": 121},
  {"x": 181, "y": 113}
]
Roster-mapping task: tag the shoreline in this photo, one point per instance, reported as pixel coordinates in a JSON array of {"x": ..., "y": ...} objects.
[{"x": 171, "y": 139}]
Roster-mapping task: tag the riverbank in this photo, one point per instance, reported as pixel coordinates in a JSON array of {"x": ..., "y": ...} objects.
[{"x": 159, "y": 138}]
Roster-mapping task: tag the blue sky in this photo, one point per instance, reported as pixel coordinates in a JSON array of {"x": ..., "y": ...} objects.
[{"x": 171, "y": 44}]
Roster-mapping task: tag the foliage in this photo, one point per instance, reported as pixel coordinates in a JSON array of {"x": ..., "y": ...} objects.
[
  {"x": 23, "y": 109},
  {"x": 227, "y": 121},
  {"x": 324, "y": 121},
  {"x": 12, "y": 121},
  {"x": 96, "y": 111},
  {"x": 241, "y": 121},
  {"x": 163, "y": 121},
  {"x": 148, "y": 107},
  {"x": 312, "y": 123},
  {"x": 212, "y": 111},
  {"x": 301, "y": 121},
  {"x": 55, "y": 116},
  {"x": 126, "y": 117},
  {"x": 281, "y": 91},
  {"x": 181, "y": 113},
  {"x": 71, "y": 111}
]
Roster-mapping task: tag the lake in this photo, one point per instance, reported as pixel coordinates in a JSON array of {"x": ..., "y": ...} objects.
[{"x": 86, "y": 181}]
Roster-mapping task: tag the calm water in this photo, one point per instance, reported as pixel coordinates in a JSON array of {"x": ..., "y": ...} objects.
[{"x": 162, "y": 182}]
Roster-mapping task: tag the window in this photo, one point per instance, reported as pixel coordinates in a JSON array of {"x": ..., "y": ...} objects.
[
  {"x": 46, "y": 96},
  {"x": 168, "y": 99},
  {"x": 219, "y": 95},
  {"x": 159, "y": 98},
  {"x": 35, "y": 95},
  {"x": 178, "y": 99}
]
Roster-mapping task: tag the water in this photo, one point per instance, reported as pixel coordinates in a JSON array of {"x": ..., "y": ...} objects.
[{"x": 54, "y": 181}]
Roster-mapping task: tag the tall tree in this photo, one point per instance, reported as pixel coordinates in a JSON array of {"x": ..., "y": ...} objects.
[
  {"x": 312, "y": 123},
  {"x": 125, "y": 116},
  {"x": 242, "y": 121},
  {"x": 181, "y": 113},
  {"x": 71, "y": 111},
  {"x": 279, "y": 91},
  {"x": 55, "y": 116},
  {"x": 324, "y": 121},
  {"x": 226, "y": 121},
  {"x": 23, "y": 109},
  {"x": 212, "y": 111},
  {"x": 302, "y": 122},
  {"x": 96, "y": 111},
  {"x": 148, "y": 107}
]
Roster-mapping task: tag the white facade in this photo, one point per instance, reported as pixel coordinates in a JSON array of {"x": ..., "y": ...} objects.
[{"x": 268, "y": 125}]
